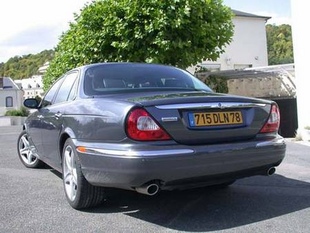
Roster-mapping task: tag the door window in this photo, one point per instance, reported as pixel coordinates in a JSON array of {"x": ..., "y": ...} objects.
[
  {"x": 48, "y": 98},
  {"x": 66, "y": 87}
]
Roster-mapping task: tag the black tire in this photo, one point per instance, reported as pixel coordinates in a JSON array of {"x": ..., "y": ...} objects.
[
  {"x": 79, "y": 193},
  {"x": 26, "y": 153}
]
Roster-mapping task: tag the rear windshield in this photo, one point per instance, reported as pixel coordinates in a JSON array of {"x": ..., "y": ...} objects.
[{"x": 109, "y": 78}]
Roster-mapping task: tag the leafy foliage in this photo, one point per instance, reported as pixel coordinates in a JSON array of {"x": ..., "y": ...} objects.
[
  {"x": 216, "y": 82},
  {"x": 175, "y": 32},
  {"x": 20, "y": 112},
  {"x": 279, "y": 44},
  {"x": 25, "y": 66}
]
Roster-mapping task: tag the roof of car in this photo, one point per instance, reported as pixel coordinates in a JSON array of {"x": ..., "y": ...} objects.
[{"x": 124, "y": 64}]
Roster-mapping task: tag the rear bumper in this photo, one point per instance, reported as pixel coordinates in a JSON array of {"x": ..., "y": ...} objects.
[{"x": 173, "y": 166}]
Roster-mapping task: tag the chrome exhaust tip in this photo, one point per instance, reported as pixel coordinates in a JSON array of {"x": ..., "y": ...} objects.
[
  {"x": 271, "y": 171},
  {"x": 150, "y": 189}
]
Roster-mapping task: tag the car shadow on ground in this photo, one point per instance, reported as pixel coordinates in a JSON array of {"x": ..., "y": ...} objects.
[{"x": 208, "y": 209}]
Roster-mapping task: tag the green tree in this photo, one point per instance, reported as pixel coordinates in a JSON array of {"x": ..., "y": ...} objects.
[
  {"x": 175, "y": 32},
  {"x": 279, "y": 44},
  {"x": 25, "y": 66}
]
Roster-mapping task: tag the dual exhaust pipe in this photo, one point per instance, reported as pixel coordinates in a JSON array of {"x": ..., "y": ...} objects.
[
  {"x": 152, "y": 189},
  {"x": 149, "y": 189},
  {"x": 271, "y": 171}
]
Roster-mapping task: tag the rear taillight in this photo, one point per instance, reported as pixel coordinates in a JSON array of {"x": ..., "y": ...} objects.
[
  {"x": 273, "y": 123},
  {"x": 142, "y": 127}
]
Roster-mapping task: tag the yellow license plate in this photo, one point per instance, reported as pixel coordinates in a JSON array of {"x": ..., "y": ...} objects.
[{"x": 215, "y": 118}]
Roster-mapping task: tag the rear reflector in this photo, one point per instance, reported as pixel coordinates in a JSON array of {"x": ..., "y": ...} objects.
[
  {"x": 273, "y": 123},
  {"x": 142, "y": 127}
]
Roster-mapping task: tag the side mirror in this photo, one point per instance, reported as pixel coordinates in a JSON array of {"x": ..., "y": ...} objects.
[{"x": 31, "y": 103}]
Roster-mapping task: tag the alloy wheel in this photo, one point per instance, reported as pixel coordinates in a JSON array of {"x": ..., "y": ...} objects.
[
  {"x": 70, "y": 173},
  {"x": 25, "y": 151}
]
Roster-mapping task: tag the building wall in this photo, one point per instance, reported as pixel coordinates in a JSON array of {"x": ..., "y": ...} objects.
[
  {"x": 300, "y": 30},
  {"x": 17, "y": 96},
  {"x": 247, "y": 49},
  {"x": 265, "y": 87},
  {"x": 31, "y": 87},
  {"x": 249, "y": 45}
]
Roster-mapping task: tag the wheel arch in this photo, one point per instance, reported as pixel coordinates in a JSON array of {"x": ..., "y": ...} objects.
[{"x": 67, "y": 133}]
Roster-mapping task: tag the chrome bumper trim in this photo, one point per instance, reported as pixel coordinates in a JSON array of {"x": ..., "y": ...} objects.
[
  {"x": 133, "y": 154},
  {"x": 275, "y": 142}
]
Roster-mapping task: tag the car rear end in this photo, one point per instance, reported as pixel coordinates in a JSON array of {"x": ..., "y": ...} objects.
[{"x": 188, "y": 140}]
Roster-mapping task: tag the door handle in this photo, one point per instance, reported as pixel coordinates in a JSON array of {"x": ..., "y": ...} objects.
[{"x": 58, "y": 115}]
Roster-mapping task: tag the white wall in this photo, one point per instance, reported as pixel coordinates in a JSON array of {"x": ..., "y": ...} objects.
[
  {"x": 10, "y": 89},
  {"x": 248, "y": 47},
  {"x": 17, "y": 96},
  {"x": 249, "y": 44},
  {"x": 32, "y": 87},
  {"x": 300, "y": 32}
]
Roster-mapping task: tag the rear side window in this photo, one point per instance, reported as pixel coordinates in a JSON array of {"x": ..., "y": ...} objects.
[{"x": 66, "y": 87}]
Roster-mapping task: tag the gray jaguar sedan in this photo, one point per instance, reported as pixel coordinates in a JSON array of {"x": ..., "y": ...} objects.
[{"x": 146, "y": 128}]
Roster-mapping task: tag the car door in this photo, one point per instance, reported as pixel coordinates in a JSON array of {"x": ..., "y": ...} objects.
[
  {"x": 36, "y": 125},
  {"x": 52, "y": 119}
]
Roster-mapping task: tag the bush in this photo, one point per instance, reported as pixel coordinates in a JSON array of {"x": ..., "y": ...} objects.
[
  {"x": 216, "y": 82},
  {"x": 20, "y": 112}
]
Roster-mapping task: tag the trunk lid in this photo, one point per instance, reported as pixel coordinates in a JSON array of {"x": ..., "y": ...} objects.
[{"x": 202, "y": 118}]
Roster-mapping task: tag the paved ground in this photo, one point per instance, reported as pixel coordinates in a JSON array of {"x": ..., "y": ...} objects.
[{"x": 33, "y": 201}]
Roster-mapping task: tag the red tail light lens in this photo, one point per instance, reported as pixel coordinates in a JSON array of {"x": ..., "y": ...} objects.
[
  {"x": 142, "y": 127},
  {"x": 273, "y": 123}
]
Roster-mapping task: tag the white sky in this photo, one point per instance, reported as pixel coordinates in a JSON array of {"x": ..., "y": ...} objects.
[
  {"x": 31, "y": 26},
  {"x": 34, "y": 25},
  {"x": 279, "y": 10}
]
